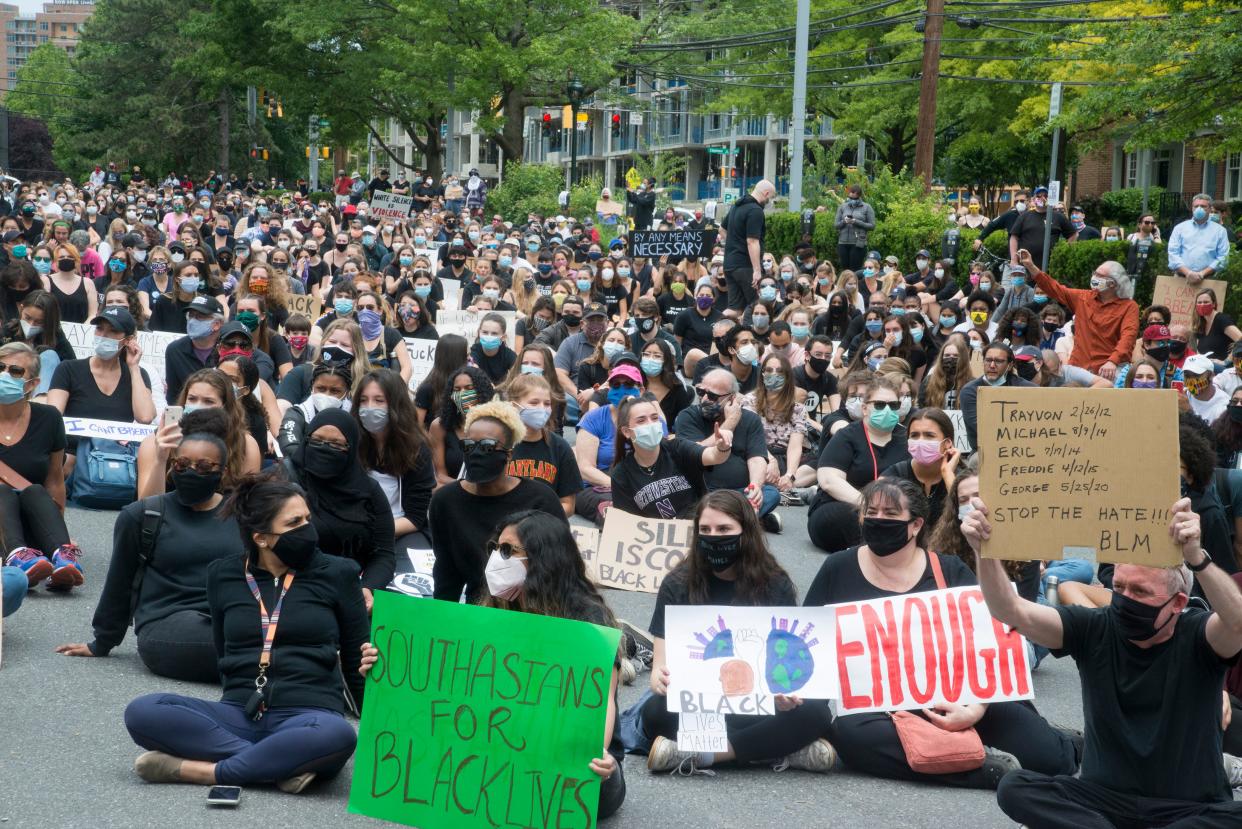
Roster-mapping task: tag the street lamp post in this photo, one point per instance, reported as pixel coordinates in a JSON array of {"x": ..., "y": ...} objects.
[{"x": 576, "y": 93}]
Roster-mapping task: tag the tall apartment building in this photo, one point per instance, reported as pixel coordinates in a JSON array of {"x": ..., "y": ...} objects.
[{"x": 60, "y": 22}]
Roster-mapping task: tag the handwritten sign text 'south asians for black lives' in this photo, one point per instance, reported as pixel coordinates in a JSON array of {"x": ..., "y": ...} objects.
[{"x": 1079, "y": 473}]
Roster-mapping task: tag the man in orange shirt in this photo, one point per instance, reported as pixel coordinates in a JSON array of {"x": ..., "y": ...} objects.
[{"x": 1106, "y": 317}]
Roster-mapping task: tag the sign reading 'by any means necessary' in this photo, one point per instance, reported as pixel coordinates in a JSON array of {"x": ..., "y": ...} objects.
[
  {"x": 656, "y": 243},
  {"x": 1079, "y": 473}
]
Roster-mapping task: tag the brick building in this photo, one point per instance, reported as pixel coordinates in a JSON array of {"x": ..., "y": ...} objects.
[{"x": 1175, "y": 167}]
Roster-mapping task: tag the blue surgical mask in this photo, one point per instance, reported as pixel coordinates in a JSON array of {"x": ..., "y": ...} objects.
[
  {"x": 534, "y": 418},
  {"x": 106, "y": 348},
  {"x": 767, "y": 293},
  {"x": 368, "y": 240},
  {"x": 197, "y": 329},
  {"x": 760, "y": 321},
  {"x": 916, "y": 334},
  {"x": 528, "y": 369},
  {"x": 422, "y": 291},
  {"x": 421, "y": 241},
  {"x": 868, "y": 272},
  {"x": 190, "y": 284},
  {"x": 651, "y": 366},
  {"x": 342, "y": 306},
  {"x": 584, "y": 284},
  {"x": 43, "y": 267},
  {"x": 874, "y": 363},
  {"x": 505, "y": 261},
  {"x": 999, "y": 381},
  {"x": 474, "y": 235},
  {"x": 11, "y": 389},
  {"x": 948, "y": 322},
  {"x": 611, "y": 350},
  {"x": 623, "y": 271},
  {"x": 114, "y": 265},
  {"x": 406, "y": 261},
  {"x": 615, "y": 396},
  {"x": 1041, "y": 299},
  {"x": 884, "y": 419},
  {"x": 1018, "y": 281},
  {"x": 874, "y": 326},
  {"x": 800, "y": 331},
  {"x": 897, "y": 311},
  {"x": 489, "y": 342},
  {"x": 1200, "y": 214},
  {"x": 533, "y": 247}
]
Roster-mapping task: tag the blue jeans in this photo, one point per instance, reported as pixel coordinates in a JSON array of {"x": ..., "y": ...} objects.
[
  {"x": 1068, "y": 570},
  {"x": 771, "y": 499},
  {"x": 15, "y": 587},
  {"x": 285, "y": 743}
]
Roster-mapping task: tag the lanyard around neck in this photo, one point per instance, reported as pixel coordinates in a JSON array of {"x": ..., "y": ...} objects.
[{"x": 269, "y": 623}]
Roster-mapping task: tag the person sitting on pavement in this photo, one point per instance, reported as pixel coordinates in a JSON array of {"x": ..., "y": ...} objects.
[
  {"x": 893, "y": 560},
  {"x": 1170, "y": 660},
  {"x": 161, "y": 583},
  {"x": 729, "y": 563},
  {"x": 542, "y": 454},
  {"x": 1205, "y": 398},
  {"x": 998, "y": 370}
]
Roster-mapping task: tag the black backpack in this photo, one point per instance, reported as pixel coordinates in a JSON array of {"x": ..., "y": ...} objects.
[{"x": 152, "y": 520}]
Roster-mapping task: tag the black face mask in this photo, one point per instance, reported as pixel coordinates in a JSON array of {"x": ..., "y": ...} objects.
[
  {"x": 1159, "y": 353},
  {"x": 818, "y": 364},
  {"x": 836, "y": 310},
  {"x": 341, "y": 246},
  {"x": 645, "y": 325},
  {"x": 1026, "y": 370},
  {"x": 720, "y": 551},
  {"x": 572, "y": 321},
  {"x": 712, "y": 412},
  {"x": 1051, "y": 326},
  {"x": 484, "y": 467},
  {"x": 885, "y": 536},
  {"x": 193, "y": 487},
  {"x": 949, "y": 364},
  {"x": 322, "y": 462},
  {"x": 1136, "y": 620},
  {"x": 1177, "y": 348},
  {"x": 296, "y": 547},
  {"x": 332, "y": 354},
  {"x": 1235, "y": 414}
]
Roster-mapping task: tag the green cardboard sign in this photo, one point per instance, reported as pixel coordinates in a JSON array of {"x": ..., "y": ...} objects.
[{"x": 477, "y": 717}]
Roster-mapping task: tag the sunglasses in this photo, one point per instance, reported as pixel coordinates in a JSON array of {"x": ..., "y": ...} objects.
[
  {"x": 42, "y": 259},
  {"x": 712, "y": 396},
  {"x": 505, "y": 549},
  {"x": 623, "y": 384},
  {"x": 485, "y": 445},
  {"x": 326, "y": 444},
  {"x": 15, "y": 371},
  {"x": 201, "y": 466},
  {"x": 895, "y": 405}
]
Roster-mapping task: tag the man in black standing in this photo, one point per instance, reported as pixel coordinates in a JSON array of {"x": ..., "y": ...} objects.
[
  {"x": 643, "y": 200},
  {"x": 1028, "y": 230},
  {"x": 743, "y": 253}
]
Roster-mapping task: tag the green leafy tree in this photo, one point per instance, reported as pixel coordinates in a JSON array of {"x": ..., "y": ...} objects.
[{"x": 43, "y": 84}]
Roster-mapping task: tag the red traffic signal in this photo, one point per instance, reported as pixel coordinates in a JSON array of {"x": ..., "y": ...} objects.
[{"x": 616, "y": 124}]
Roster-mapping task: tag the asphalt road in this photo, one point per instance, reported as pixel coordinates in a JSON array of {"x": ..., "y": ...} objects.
[{"x": 66, "y": 759}]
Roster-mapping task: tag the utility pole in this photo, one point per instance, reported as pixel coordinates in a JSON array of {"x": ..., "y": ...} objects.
[
  {"x": 1054, "y": 186},
  {"x": 797, "y": 123},
  {"x": 252, "y": 117},
  {"x": 312, "y": 138},
  {"x": 925, "y": 143}
]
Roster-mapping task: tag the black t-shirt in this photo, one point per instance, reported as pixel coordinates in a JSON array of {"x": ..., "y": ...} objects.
[
  {"x": 85, "y": 398},
  {"x": 296, "y": 385},
  {"x": 1216, "y": 343},
  {"x": 848, "y": 451},
  {"x": 935, "y": 498},
  {"x": 834, "y": 327},
  {"x": 495, "y": 366},
  {"x": 748, "y": 442},
  {"x": 674, "y": 590},
  {"x": 672, "y": 487},
  {"x": 840, "y": 579},
  {"x": 611, "y": 296},
  {"x": 1029, "y": 228},
  {"x": 384, "y": 355},
  {"x": 671, "y": 306},
  {"x": 745, "y": 221},
  {"x": 45, "y": 434},
  {"x": 695, "y": 329},
  {"x": 550, "y": 461},
  {"x": 818, "y": 389},
  {"x": 1152, "y": 714}
]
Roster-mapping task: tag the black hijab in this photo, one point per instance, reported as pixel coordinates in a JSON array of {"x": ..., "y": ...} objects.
[{"x": 338, "y": 490}]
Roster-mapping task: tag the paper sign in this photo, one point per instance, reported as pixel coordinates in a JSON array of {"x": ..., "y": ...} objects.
[
  {"x": 419, "y": 581},
  {"x": 1079, "y": 468},
  {"x": 1178, "y": 295},
  {"x": 653, "y": 244},
  {"x": 478, "y": 717},
  {"x": 152, "y": 343},
  {"x": 432, "y": 255},
  {"x": 636, "y": 553},
  {"x": 422, "y": 358},
  {"x": 588, "y": 545},
  {"x": 466, "y": 323},
  {"x": 385, "y": 205},
  {"x": 961, "y": 440},
  {"x": 735, "y": 660},
  {"x": 108, "y": 429},
  {"x": 305, "y": 304},
  {"x": 919, "y": 650},
  {"x": 452, "y": 294},
  {"x": 702, "y": 732}
]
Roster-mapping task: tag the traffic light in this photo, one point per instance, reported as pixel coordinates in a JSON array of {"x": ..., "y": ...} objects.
[
  {"x": 548, "y": 127},
  {"x": 616, "y": 125}
]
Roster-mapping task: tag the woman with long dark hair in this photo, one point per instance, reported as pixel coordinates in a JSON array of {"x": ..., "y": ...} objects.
[
  {"x": 317, "y": 609},
  {"x": 730, "y": 564},
  {"x": 893, "y": 561},
  {"x": 394, "y": 450},
  {"x": 1228, "y": 433},
  {"x": 466, "y": 388},
  {"x": 451, "y": 354}
]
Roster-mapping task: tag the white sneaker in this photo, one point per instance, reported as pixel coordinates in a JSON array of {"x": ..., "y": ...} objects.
[
  {"x": 819, "y": 756},
  {"x": 1233, "y": 769},
  {"x": 664, "y": 756}
]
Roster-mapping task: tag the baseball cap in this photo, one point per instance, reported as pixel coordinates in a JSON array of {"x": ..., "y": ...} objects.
[
  {"x": 204, "y": 305},
  {"x": 1040, "y": 190},
  {"x": 134, "y": 240},
  {"x": 924, "y": 253},
  {"x": 1156, "y": 332},
  {"x": 625, "y": 357},
  {"x": 118, "y": 318},
  {"x": 370, "y": 229},
  {"x": 235, "y": 327},
  {"x": 627, "y": 371},
  {"x": 1197, "y": 364},
  {"x": 891, "y": 260},
  {"x": 1028, "y": 352},
  {"x": 11, "y": 236},
  {"x": 616, "y": 243},
  {"x": 595, "y": 309}
]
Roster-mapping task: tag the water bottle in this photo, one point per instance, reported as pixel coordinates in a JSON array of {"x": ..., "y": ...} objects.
[{"x": 1050, "y": 590}]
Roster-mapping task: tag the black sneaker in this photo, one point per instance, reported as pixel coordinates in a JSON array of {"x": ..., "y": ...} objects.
[
  {"x": 772, "y": 523},
  {"x": 996, "y": 764},
  {"x": 643, "y": 652}
]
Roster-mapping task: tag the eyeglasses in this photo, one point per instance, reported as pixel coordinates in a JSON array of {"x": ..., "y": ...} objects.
[
  {"x": 995, "y": 361},
  {"x": 712, "y": 396},
  {"x": 202, "y": 467},
  {"x": 505, "y": 549},
  {"x": 895, "y": 405},
  {"x": 42, "y": 259},
  {"x": 15, "y": 371},
  {"x": 326, "y": 444},
  {"x": 485, "y": 445}
]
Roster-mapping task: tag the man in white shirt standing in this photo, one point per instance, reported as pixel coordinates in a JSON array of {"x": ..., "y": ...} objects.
[{"x": 1198, "y": 248}]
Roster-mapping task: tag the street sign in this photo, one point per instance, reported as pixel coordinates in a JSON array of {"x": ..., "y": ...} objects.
[
  {"x": 717, "y": 150},
  {"x": 636, "y": 119},
  {"x": 1054, "y": 193},
  {"x": 729, "y": 195},
  {"x": 1054, "y": 104}
]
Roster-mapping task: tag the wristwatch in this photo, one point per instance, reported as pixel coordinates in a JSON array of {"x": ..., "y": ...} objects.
[{"x": 1201, "y": 566}]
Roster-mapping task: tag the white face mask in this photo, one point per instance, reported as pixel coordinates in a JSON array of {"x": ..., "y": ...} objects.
[
  {"x": 854, "y": 407},
  {"x": 322, "y": 402},
  {"x": 505, "y": 577}
]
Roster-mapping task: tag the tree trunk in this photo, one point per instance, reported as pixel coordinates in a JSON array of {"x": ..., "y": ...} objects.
[
  {"x": 225, "y": 117},
  {"x": 896, "y": 154},
  {"x": 434, "y": 148},
  {"x": 510, "y": 138}
]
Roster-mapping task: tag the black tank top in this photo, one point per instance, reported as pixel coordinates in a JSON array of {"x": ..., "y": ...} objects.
[{"x": 74, "y": 307}]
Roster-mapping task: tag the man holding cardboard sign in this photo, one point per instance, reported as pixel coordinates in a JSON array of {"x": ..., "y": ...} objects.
[{"x": 1152, "y": 675}]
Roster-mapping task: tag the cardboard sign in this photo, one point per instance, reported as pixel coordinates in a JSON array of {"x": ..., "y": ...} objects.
[
  {"x": 308, "y": 306},
  {"x": 636, "y": 553},
  {"x": 422, "y": 358},
  {"x": 1079, "y": 473},
  {"x": 466, "y": 323},
  {"x": 108, "y": 429},
  {"x": 919, "y": 650},
  {"x": 478, "y": 717},
  {"x": 152, "y": 343},
  {"x": 588, "y": 546},
  {"x": 735, "y": 660},
  {"x": 653, "y": 244},
  {"x": 1178, "y": 295},
  {"x": 385, "y": 205}
]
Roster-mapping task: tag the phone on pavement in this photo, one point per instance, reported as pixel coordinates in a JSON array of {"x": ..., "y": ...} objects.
[
  {"x": 173, "y": 414},
  {"x": 224, "y": 796}
]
